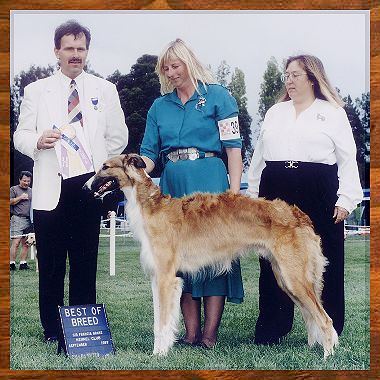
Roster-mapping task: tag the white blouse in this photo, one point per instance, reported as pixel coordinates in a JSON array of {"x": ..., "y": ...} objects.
[{"x": 321, "y": 133}]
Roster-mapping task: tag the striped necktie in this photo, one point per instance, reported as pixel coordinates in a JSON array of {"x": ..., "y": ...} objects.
[{"x": 74, "y": 112}]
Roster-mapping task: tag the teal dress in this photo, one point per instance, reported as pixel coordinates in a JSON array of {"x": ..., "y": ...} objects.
[{"x": 172, "y": 125}]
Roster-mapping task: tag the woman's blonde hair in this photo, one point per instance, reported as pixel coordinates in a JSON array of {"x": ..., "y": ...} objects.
[
  {"x": 317, "y": 75},
  {"x": 197, "y": 71}
]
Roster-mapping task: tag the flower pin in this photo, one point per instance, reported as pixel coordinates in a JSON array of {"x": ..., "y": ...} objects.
[{"x": 201, "y": 103}]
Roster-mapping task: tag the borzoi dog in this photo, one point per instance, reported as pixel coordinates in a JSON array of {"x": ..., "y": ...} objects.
[{"x": 186, "y": 234}]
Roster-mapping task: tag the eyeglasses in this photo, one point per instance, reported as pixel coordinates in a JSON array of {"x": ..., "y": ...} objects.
[{"x": 294, "y": 76}]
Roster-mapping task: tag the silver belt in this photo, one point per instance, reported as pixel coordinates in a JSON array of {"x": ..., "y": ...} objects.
[{"x": 188, "y": 154}]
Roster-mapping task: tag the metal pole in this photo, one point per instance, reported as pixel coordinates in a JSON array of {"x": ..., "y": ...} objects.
[
  {"x": 112, "y": 242},
  {"x": 32, "y": 253}
]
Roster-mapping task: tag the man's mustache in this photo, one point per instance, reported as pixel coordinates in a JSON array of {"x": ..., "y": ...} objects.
[{"x": 75, "y": 60}]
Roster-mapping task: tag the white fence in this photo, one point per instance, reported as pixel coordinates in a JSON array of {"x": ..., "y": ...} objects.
[{"x": 123, "y": 226}]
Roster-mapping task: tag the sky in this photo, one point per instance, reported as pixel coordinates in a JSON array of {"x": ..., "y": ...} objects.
[{"x": 245, "y": 39}]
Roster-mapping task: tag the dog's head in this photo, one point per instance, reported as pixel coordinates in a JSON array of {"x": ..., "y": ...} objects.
[
  {"x": 30, "y": 239},
  {"x": 117, "y": 173}
]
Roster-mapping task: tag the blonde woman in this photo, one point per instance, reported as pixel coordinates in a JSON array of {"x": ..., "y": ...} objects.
[
  {"x": 306, "y": 155},
  {"x": 187, "y": 129}
]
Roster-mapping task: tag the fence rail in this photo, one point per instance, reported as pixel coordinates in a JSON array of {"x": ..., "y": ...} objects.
[{"x": 123, "y": 225}]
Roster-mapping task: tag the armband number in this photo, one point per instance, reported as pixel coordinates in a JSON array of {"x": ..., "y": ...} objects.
[{"x": 229, "y": 128}]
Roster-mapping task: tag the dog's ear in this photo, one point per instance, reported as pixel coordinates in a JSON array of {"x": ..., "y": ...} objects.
[{"x": 134, "y": 160}]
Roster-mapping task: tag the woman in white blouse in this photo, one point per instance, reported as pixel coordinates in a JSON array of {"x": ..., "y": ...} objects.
[{"x": 306, "y": 155}]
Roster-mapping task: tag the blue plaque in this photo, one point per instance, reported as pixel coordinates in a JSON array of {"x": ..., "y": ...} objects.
[{"x": 85, "y": 331}]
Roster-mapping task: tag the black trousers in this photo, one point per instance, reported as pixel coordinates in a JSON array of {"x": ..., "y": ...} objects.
[
  {"x": 313, "y": 188},
  {"x": 72, "y": 229}
]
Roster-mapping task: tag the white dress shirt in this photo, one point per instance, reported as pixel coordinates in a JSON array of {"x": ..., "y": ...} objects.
[{"x": 320, "y": 134}]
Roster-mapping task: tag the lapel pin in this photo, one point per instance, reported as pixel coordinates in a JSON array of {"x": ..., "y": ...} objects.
[
  {"x": 320, "y": 117},
  {"x": 95, "y": 101},
  {"x": 201, "y": 103}
]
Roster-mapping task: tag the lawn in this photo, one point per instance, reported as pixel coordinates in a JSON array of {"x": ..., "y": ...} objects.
[{"x": 128, "y": 301}]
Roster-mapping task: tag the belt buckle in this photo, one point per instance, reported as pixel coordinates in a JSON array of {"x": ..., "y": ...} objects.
[{"x": 291, "y": 164}]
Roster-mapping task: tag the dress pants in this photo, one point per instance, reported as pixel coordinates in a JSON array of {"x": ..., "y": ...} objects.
[
  {"x": 72, "y": 229},
  {"x": 313, "y": 188}
]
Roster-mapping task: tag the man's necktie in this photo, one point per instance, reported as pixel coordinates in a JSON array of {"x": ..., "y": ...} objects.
[
  {"x": 74, "y": 112},
  {"x": 74, "y": 161}
]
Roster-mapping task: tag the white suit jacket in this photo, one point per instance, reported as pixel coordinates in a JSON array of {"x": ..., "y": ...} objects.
[{"x": 41, "y": 108}]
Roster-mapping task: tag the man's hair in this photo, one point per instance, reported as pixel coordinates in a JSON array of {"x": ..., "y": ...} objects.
[
  {"x": 71, "y": 27},
  {"x": 25, "y": 173}
]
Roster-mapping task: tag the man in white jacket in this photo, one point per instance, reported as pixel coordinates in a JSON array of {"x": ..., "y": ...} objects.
[{"x": 69, "y": 124}]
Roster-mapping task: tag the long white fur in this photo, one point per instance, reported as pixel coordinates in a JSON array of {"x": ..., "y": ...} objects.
[
  {"x": 137, "y": 226},
  {"x": 165, "y": 337}
]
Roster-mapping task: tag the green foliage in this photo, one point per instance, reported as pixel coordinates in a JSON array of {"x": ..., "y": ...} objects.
[
  {"x": 270, "y": 88},
  {"x": 20, "y": 81},
  {"x": 359, "y": 132},
  {"x": 236, "y": 85},
  {"x": 128, "y": 301},
  {"x": 137, "y": 91},
  {"x": 363, "y": 107},
  {"x": 222, "y": 73},
  {"x": 238, "y": 91}
]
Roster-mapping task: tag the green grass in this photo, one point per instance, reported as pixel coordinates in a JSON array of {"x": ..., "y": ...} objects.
[{"x": 128, "y": 301}]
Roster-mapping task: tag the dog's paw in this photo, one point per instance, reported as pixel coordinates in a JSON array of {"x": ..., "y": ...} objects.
[
  {"x": 332, "y": 342},
  {"x": 160, "y": 351}
]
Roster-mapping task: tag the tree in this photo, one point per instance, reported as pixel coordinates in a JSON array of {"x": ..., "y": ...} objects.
[
  {"x": 238, "y": 91},
  {"x": 359, "y": 134},
  {"x": 363, "y": 108},
  {"x": 222, "y": 73},
  {"x": 137, "y": 91},
  {"x": 270, "y": 88},
  {"x": 19, "y": 161}
]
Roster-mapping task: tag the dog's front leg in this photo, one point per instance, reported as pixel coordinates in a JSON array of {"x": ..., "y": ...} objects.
[
  {"x": 156, "y": 316},
  {"x": 166, "y": 301}
]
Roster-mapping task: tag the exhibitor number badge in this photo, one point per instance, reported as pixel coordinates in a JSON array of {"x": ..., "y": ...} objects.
[{"x": 229, "y": 128}]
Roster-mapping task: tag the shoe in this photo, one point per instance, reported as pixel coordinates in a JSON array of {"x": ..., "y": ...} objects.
[
  {"x": 12, "y": 266},
  {"x": 51, "y": 339},
  {"x": 267, "y": 342},
  {"x": 24, "y": 266},
  {"x": 183, "y": 342},
  {"x": 205, "y": 346}
]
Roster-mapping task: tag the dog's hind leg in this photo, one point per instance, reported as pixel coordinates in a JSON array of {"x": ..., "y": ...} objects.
[
  {"x": 166, "y": 295},
  {"x": 294, "y": 277}
]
